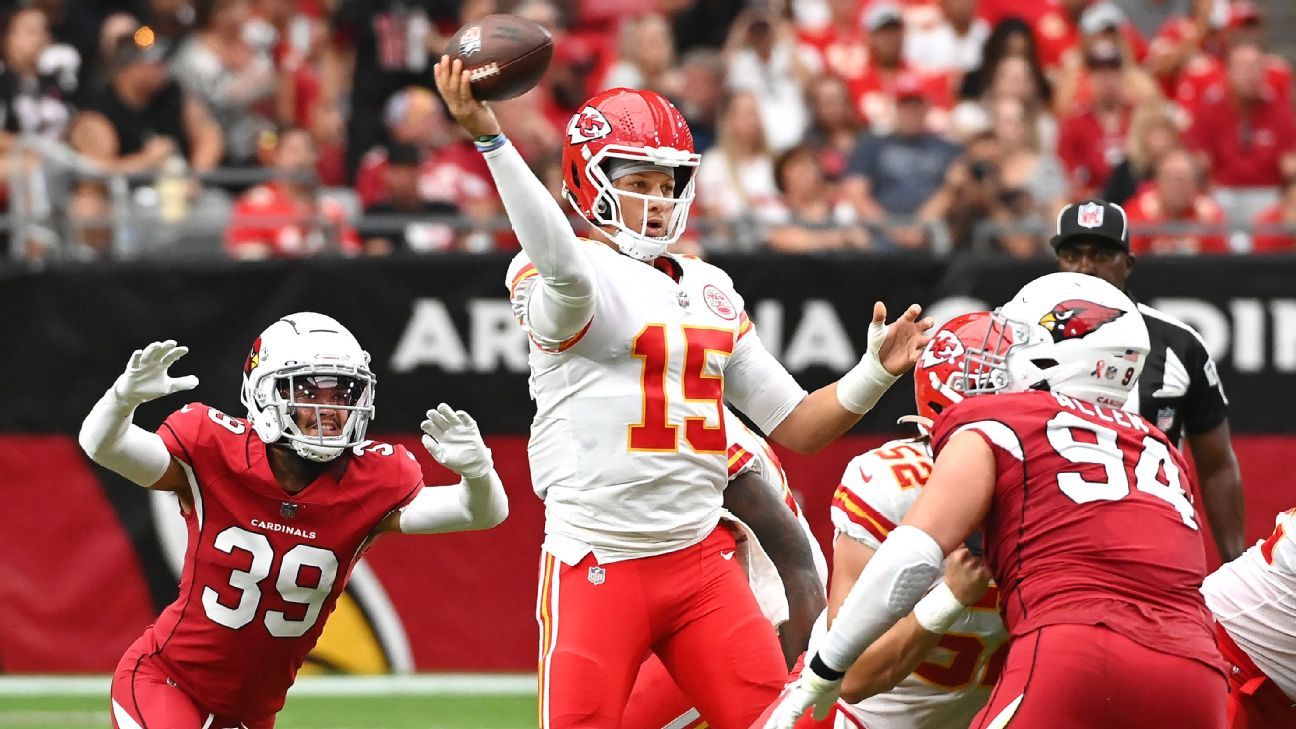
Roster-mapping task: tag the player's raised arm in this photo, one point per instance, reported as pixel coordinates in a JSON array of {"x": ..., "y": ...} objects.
[
  {"x": 110, "y": 438},
  {"x": 564, "y": 301},
  {"x": 478, "y": 501}
]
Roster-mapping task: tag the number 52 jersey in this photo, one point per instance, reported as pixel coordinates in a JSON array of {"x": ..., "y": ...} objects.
[{"x": 263, "y": 568}]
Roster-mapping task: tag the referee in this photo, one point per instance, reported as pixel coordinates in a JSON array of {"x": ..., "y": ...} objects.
[{"x": 1179, "y": 391}]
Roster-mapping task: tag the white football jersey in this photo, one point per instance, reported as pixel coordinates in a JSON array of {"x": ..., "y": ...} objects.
[
  {"x": 748, "y": 451},
  {"x": 1254, "y": 598},
  {"x": 628, "y": 446},
  {"x": 950, "y": 687}
]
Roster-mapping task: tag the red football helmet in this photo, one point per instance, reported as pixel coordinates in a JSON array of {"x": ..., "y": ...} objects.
[
  {"x": 961, "y": 359},
  {"x": 628, "y": 124}
]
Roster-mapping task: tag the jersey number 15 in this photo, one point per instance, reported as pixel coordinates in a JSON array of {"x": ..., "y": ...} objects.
[{"x": 655, "y": 432}]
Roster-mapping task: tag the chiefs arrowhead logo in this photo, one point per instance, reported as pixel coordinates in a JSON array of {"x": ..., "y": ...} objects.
[
  {"x": 1076, "y": 318},
  {"x": 587, "y": 125},
  {"x": 946, "y": 347}
]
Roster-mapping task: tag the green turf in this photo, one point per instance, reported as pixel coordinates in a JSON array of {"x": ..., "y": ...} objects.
[{"x": 303, "y": 712}]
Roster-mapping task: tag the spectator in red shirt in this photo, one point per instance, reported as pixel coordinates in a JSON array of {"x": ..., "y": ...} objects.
[
  {"x": 1245, "y": 133},
  {"x": 1283, "y": 213},
  {"x": 451, "y": 172},
  {"x": 875, "y": 93},
  {"x": 840, "y": 47},
  {"x": 1092, "y": 138},
  {"x": 285, "y": 218},
  {"x": 1244, "y": 25},
  {"x": 1175, "y": 196}
]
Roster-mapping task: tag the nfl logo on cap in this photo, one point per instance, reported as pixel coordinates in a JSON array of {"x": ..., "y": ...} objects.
[{"x": 1090, "y": 215}]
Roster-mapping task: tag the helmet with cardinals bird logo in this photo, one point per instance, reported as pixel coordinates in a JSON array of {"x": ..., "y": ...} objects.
[
  {"x": 309, "y": 363},
  {"x": 1068, "y": 333},
  {"x": 641, "y": 127}
]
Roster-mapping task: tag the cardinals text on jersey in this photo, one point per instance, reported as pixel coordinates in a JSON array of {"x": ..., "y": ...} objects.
[{"x": 264, "y": 568}]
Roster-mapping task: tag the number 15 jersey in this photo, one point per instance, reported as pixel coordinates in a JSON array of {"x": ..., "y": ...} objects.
[
  {"x": 1091, "y": 523},
  {"x": 263, "y": 568},
  {"x": 628, "y": 445}
]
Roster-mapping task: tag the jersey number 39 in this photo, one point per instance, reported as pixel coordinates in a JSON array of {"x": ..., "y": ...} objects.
[{"x": 248, "y": 583}]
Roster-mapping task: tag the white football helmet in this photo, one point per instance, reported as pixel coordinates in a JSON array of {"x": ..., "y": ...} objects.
[
  {"x": 309, "y": 360},
  {"x": 1068, "y": 333}
]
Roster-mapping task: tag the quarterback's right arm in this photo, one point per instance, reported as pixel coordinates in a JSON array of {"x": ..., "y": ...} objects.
[
  {"x": 110, "y": 438},
  {"x": 561, "y": 304}
]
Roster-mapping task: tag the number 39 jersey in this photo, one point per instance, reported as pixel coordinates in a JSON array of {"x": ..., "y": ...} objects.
[
  {"x": 1091, "y": 522},
  {"x": 876, "y": 491},
  {"x": 628, "y": 444},
  {"x": 263, "y": 568}
]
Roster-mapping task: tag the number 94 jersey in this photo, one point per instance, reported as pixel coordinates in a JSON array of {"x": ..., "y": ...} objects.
[
  {"x": 1091, "y": 522},
  {"x": 263, "y": 568},
  {"x": 876, "y": 491}
]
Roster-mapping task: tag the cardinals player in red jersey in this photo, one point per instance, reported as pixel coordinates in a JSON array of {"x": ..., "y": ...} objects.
[
  {"x": 633, "y": 352},
  {"x": 1089, "y": 530},
  {"x": 279, "y": 507}
]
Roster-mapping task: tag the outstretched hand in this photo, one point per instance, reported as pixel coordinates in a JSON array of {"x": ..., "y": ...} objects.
[
  {"x": 453, "y": 439},
  {"x": 146, "y": 376},
  {"x": 900, "y": 343},
  {"x": 452, "y": 80}
]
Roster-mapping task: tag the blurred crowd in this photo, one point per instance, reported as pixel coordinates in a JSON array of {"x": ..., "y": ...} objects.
[{"x": 277, "y": 128}]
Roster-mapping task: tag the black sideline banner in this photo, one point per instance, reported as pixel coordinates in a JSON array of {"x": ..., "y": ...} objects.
[{"x": 440, "y": 328}]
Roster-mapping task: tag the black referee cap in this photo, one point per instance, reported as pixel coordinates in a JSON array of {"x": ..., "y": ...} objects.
[{"x": 1090, "y": 219}]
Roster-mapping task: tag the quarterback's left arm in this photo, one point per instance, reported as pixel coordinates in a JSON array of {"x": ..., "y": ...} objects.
[
  {"x": 951, "y": 505},
  {"x": 833, "y": 409},
  {"x": 756, "y": 502},
  {"x": 478, "y": 501}
]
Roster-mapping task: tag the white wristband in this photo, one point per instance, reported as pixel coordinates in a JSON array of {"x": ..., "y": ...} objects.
[
  {"x": 859, "y": 389},
  {"x": 939, "y": 609}
]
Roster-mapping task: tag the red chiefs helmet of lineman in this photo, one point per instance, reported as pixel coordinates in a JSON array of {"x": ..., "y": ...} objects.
[
  {"x": 644, "y": 128},
  {"x": 943, "y": 368}
]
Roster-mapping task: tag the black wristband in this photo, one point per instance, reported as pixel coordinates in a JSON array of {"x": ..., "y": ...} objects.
[{"x": 822, "y": 670}]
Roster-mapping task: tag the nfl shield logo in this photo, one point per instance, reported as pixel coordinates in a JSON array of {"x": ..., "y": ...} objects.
[
  {"x": 287, "y": 509},
  {"x": 1090, "y": 215},
  {"x": 1165, "y": 418},
  {"x": 597, "y": 575}
]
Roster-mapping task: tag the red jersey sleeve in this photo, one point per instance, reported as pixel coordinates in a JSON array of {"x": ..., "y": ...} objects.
[
  {"x": 409, "y": 478},
  {"x": 988, "y": 417},
  {"x": 193, "y": 434},
  {"x": 183, "y": 431}
]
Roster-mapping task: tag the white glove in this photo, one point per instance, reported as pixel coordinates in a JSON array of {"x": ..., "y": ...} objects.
[
  {"x": 810, "y": 689},
  {"x": 860, "y": 388},
  {"x": 455, "y": 442},
  {"x": 146, "y": 376}
]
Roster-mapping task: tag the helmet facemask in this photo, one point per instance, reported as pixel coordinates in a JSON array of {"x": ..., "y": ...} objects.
[
  {"x": 607, "y": 208},
  {"x": 334, "y": 396}
]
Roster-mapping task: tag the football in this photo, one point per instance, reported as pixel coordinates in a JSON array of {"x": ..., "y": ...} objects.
[{"x": 505, "y": 55}]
